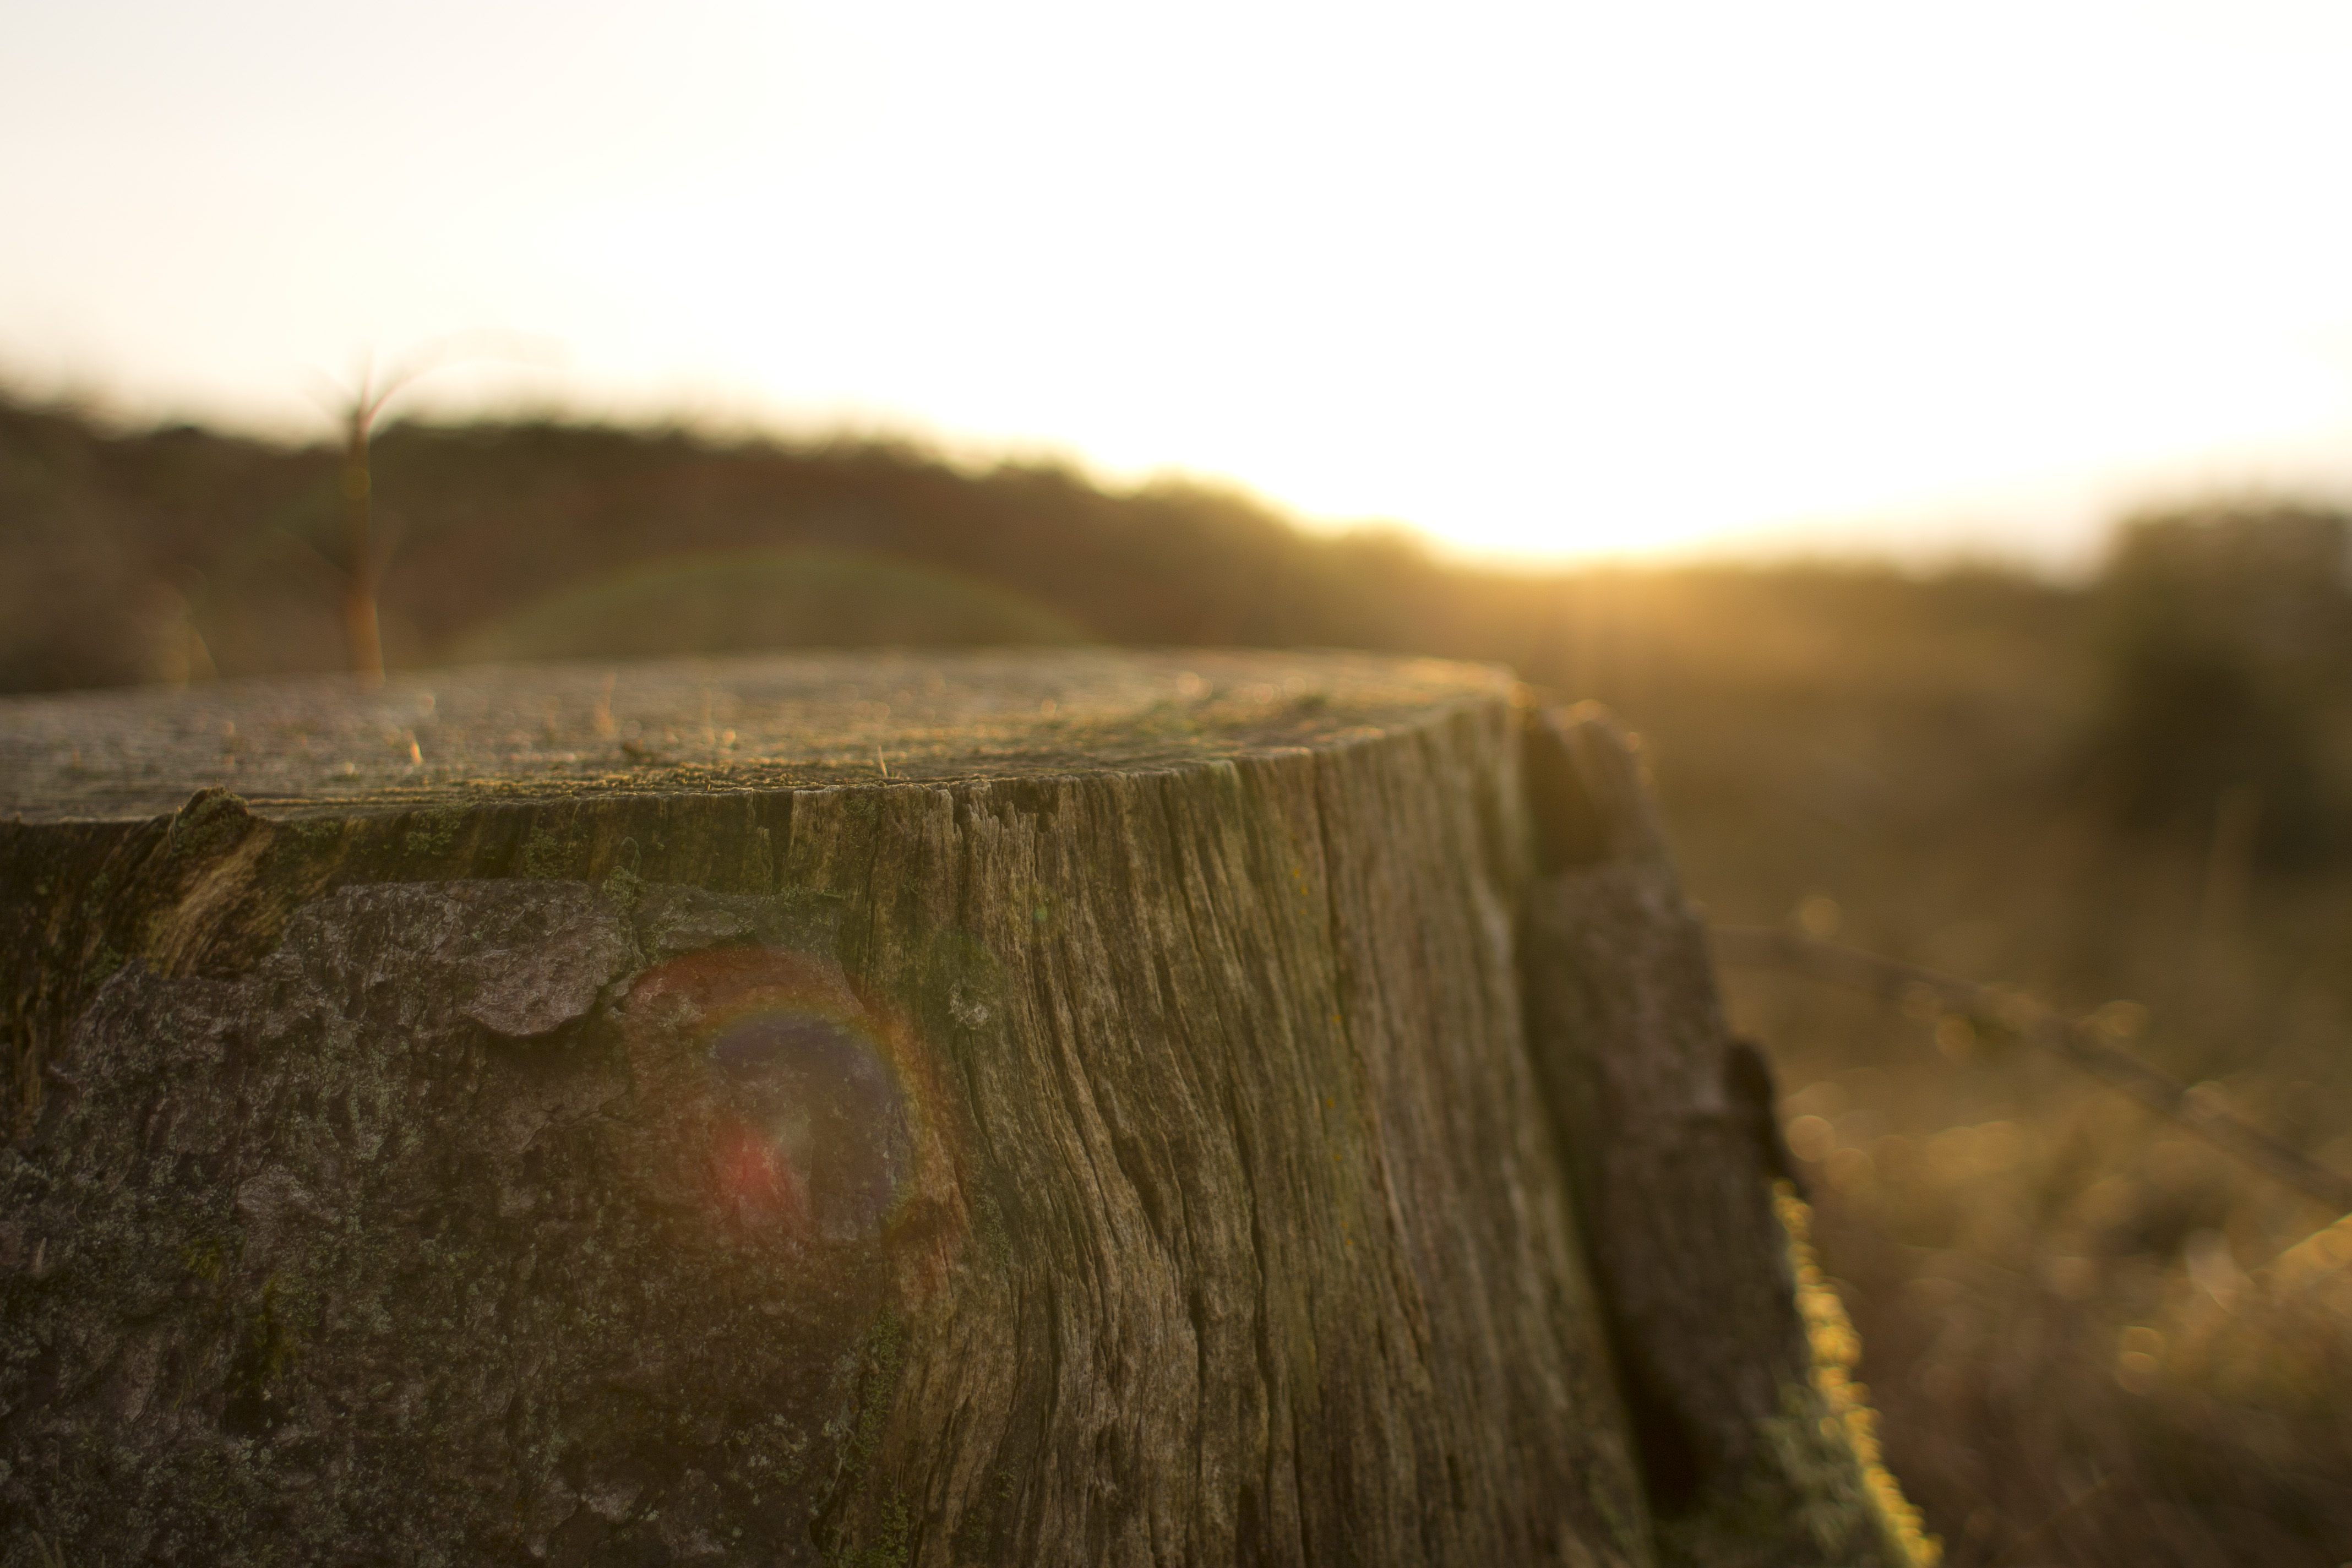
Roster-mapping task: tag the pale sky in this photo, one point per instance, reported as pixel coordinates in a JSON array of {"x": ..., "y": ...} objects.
[{"x": 1540, "y": 280}]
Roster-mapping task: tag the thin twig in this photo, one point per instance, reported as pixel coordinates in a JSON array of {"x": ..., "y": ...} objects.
[{"x": 2078, "y": 1041}]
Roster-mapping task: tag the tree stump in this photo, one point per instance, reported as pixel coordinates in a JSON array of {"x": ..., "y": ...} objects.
[{"x": 1066, "y": 1107}]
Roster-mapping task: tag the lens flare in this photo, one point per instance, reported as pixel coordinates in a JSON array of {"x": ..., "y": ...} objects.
[
  {"x": 817, "y": 1121},
  {"x": 785, "y": 1103}
]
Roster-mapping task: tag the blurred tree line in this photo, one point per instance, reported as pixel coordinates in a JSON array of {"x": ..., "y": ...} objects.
[
  {"x": 2226, "y": 640},
  {"x": 175, "y": 553},
  {"x": 2207, "y": 666}
]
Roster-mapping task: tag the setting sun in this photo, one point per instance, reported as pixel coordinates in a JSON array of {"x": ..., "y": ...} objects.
[{"x": 1540, "y": 282}]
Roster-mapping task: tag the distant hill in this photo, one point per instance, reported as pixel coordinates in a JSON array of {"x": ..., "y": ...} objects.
[
  {"x": 169, "y": 552},
  {"x": 179, "y": 554}
]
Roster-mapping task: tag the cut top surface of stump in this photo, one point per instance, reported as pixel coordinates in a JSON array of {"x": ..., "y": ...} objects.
[{"x": 760, "y": 723}]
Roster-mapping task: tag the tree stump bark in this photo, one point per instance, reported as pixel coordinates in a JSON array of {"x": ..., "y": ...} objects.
[
  {"x": 1023, "y": 1108},
  {"x": 1673, "y": 1143}
]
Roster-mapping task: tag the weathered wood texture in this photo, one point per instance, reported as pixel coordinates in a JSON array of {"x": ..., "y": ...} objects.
[
  {"x": 1110, "y": 1137},
  {"x": 1670, "y": 1138}
]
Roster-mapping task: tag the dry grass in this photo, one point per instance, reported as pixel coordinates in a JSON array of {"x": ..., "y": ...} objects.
[{"x": 2092, "y": 1338}]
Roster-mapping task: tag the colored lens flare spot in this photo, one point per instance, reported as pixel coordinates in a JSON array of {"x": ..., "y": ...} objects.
[{"x": 818, "y": 1125}]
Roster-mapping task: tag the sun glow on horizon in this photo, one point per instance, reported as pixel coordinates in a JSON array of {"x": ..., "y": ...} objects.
[{"x": 1589, "y": 281}]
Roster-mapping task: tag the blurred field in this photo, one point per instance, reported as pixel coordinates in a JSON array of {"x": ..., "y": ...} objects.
[{"x": 2092, "y": 1339}]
